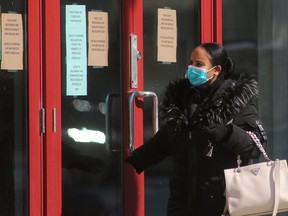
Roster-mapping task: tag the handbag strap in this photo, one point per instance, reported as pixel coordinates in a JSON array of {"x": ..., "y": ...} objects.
[
  {"x": 258, "y": 144},
  {"x": 225, "y": 212},
  {"x": 276, "y": 176},
  {"x": 276, "y": 172}
]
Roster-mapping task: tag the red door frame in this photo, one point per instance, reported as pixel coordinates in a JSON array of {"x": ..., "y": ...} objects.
[
  {"x": 211, "y": 21},
  {"x": 133, "y": 185},
  {"x": 52, "y": 96},
  {"x": 44, "y": 79},
  {"x": 35, "y": 104}
]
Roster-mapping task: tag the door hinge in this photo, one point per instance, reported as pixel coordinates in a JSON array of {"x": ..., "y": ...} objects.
[{"x": 42, "y": 120}]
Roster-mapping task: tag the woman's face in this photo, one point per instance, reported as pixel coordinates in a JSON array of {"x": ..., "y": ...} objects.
[{"x": 202, "y": 59}]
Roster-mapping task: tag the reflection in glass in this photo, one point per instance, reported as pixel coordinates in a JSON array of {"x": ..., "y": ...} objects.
[{"x": 255, "y": 34}]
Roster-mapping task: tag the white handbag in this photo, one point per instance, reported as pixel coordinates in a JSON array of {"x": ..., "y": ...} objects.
[{"x": 257, "y": 189}]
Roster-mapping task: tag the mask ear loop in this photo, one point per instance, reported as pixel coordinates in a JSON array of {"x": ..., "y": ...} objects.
[
  {"x": 208, "y": 79},
  {"x": 212, "y": 68}
]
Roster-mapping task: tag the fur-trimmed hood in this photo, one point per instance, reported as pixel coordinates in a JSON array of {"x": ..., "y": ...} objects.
[{"x": 230, "y": 98}]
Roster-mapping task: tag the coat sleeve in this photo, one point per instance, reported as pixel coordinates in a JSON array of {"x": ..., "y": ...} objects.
[
  {"x": 238, "y": 141},
  {"x": 152, "y": 152}
]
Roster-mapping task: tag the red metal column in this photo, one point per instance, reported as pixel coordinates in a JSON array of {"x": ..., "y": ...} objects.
[
  {"x": 52, "y": 96},
  {"x": 206, "y": 21},
  {"x": 35, "y": 104},
  {"x": 218, "y": 21},
  {"x": 211, "y": 21},
  {"x": 132, "y": 23}
]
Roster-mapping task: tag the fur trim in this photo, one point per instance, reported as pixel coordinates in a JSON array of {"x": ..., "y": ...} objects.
[
  {"x": 172, "y": 109},
  {"x": 227, "y": 102}
]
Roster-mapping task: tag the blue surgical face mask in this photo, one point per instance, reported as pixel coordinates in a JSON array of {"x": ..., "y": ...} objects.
[{"x": 197, "y": 76}]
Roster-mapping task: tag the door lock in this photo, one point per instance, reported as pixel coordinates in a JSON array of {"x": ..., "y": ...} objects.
[{"x": 139, "y": 55}]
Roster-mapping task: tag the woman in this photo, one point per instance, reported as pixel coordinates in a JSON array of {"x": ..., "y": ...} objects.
[{"x": 205, "y": 118}]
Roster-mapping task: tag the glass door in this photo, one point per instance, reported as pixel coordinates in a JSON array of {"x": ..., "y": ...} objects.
[
  {"x": 165, "y": 34},
  {"x": 91, "y": 108},
  {"x": 13, "y": 109},
  {"x": 96, "y": 73}
]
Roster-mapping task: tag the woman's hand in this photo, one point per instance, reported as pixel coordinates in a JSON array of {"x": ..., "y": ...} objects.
[{"x": 217, "y": 132}]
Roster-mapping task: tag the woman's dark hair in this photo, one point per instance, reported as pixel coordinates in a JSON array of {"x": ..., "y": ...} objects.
[{"x": 220, "y": 57}]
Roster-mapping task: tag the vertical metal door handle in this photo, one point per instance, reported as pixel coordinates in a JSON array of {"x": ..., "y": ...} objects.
[
  {"x": 132, "y": 97},
  {"x": 107, "y": 121}
]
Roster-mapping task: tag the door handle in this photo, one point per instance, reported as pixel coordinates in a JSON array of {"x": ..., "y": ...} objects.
[
  {"x": 132, "y": 97},
  {"x": 108, "y": 132}
]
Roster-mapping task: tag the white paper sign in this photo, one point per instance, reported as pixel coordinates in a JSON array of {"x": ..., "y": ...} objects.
[{"x": 76, "y": 50}]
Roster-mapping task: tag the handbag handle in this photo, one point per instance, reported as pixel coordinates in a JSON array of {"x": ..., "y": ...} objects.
[
  {"x": 276, "y": 176},
  {"x": 258, "y": 144}
]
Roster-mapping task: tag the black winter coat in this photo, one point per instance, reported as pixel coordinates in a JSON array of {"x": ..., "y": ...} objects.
[{"x": 197, "y": 185}]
